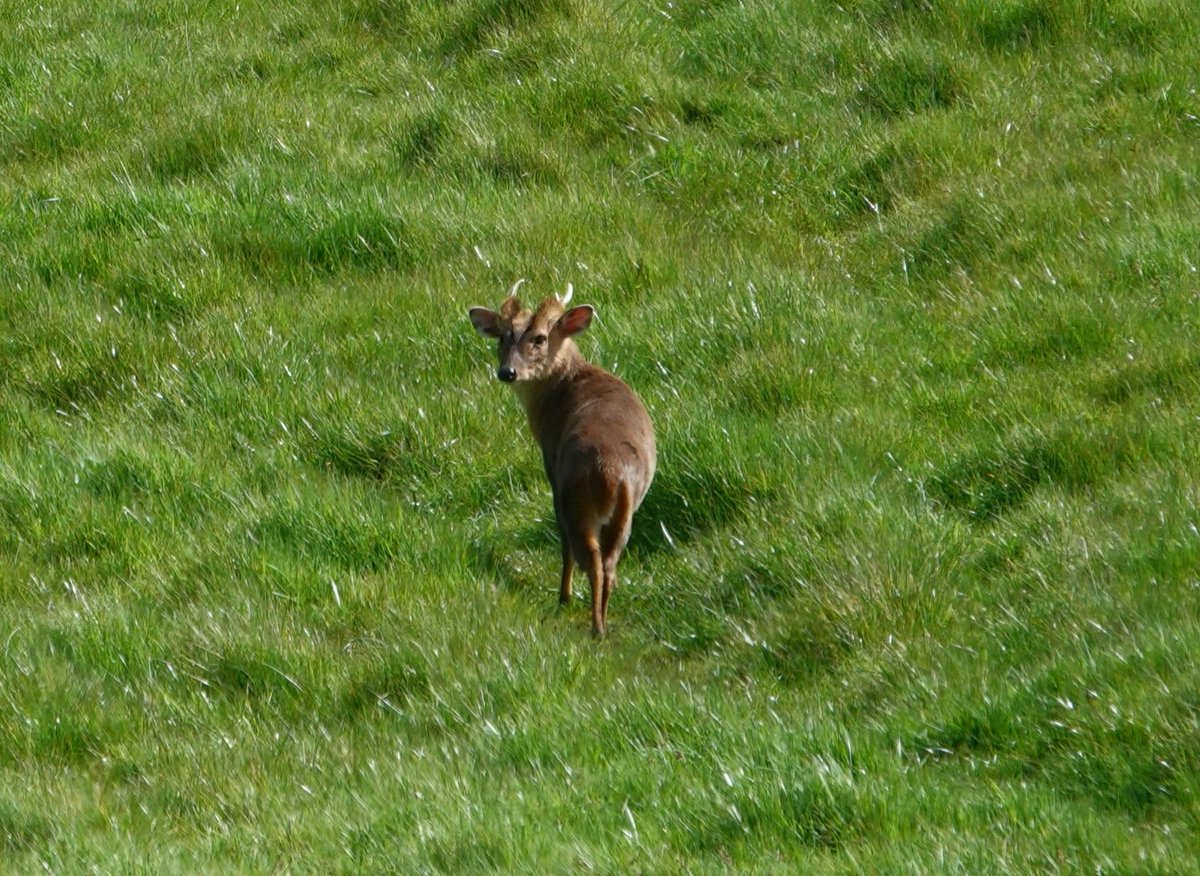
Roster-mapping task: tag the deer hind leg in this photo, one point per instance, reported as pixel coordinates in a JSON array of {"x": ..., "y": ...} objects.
[
  {"x": 579, "y": 506},
  {"x": 614, "y": 535},
  {"x": 610, "y": 581},
  {"x": 595, "y": 570},
  {"x": 584, "y": 546}
]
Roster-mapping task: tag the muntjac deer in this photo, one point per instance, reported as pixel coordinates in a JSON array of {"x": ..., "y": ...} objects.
[{"x": 596, "y": 437}]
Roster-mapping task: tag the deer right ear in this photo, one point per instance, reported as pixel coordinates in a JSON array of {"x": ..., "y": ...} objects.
[{"x": 486, "y": 322}]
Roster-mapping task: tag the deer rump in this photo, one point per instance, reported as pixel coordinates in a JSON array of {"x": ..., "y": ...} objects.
[{"x": 596, "y": 460}]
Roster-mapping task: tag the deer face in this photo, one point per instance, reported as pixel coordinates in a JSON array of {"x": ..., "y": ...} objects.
[{"x": 530, "y": 344}]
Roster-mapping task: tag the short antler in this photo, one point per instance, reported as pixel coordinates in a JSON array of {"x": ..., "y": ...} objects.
[{"x": 512, "y": 306}]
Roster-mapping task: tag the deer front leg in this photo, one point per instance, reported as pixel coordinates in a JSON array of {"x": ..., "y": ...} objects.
[
  {"x": 568, "y": 559},
  {"x": 568, "y": 565}
]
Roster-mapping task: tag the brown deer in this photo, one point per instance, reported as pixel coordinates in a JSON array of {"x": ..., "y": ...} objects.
[{"x": 596, "y": 437}]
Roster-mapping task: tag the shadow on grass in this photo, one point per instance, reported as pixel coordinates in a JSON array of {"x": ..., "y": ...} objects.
[
  {"x": 201, "y": 149},
  {"x": 382, "y": 18},
  {"x": 1018, "y": 26},
  {"x": 807, "y": 649},
  {"x": 986, "y": 484},
  {"x": 374, "y": 455},
  {"x": 1126, "y": 766},
  {"x": 81, "y": 384},
  {"x": 279, "y": 241},
  {"x": 496, "y": 556},
  {"x": 398, "y": 677},
  {"x": 483, "y": 18},
  {"x": 821, "y": 815},
  {"x": 52, "y": 731},
  {"x": 1178, "y": 375},
  {"x": 910, "y": 84},
  {"x": 957, "y": 239},
  {"x": 249, "y": 672},
  {"x": 22, "y": 830},
  {"x": 353, "y": 541},
  {"x": 688, "y": 503}
]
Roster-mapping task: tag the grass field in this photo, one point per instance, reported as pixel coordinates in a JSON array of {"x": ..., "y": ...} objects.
[{"x": 909, "y": 287}]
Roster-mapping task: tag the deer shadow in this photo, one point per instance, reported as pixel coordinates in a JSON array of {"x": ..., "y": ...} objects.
[{"x": 686, "y": 503}]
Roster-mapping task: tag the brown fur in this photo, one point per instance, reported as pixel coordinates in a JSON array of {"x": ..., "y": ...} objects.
[{"x": 596, "y": 438}]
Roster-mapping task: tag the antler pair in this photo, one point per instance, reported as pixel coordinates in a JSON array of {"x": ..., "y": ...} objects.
[{"x": 513, "y": 305}]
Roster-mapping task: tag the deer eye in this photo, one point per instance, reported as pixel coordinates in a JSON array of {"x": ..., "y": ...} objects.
[{"x": 538, "y": 340}]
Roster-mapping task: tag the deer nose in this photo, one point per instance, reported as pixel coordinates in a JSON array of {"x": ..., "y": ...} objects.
[{"x": 507, "y": 373}]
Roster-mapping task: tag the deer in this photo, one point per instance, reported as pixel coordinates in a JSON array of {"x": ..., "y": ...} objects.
[{"x": 595, "y": 435}]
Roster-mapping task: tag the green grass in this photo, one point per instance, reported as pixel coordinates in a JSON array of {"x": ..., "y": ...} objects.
[{"x": 910, "y": 289}]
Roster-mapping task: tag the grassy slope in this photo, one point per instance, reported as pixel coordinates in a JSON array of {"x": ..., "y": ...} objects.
[{"x": 910, "y": 289}]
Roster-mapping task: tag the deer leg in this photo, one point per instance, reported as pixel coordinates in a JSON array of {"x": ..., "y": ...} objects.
[
  {"x": 610, "y": 581},
  {"x": 568, "y": 566},
  {"x": 596, "y": 578},
  {"x": 568, "y": 559},
  {"x": 613, "y": 538}
]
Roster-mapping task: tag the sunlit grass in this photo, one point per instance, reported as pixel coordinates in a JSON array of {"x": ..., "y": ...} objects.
[{"x": 910, "y": 290}]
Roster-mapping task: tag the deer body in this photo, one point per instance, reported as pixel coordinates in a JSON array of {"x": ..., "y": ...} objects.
[{"x": 596, "y": 438}]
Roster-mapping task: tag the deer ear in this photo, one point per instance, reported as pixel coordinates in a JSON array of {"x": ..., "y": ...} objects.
[
  {"x": 486, "y": 322},
  {"x": 576, "y": 319}
]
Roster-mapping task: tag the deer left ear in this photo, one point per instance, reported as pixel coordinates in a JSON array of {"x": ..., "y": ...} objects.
[
  {"x": 576, "y": 319},
  {"x": 486, "y": 322}
]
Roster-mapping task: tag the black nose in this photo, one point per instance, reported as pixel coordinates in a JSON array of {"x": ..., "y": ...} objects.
[{"x": 507, "y": 374}]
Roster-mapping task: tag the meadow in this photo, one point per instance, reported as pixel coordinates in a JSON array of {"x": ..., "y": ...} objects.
[{"x": 909, "y": 288}]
